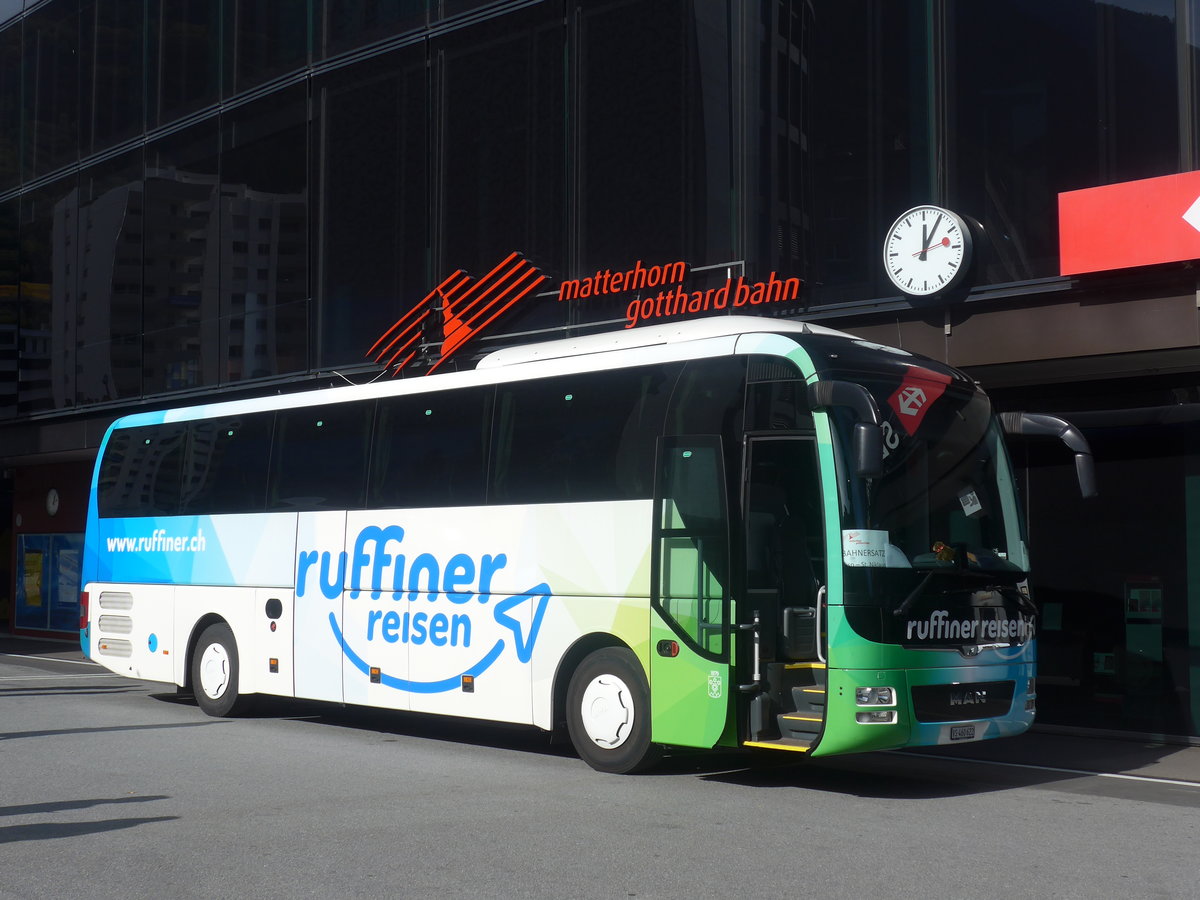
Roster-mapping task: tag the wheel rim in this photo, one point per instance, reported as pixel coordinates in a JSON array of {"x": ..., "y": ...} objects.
[
  {"x": 214, "y": 671},
  {"x": 607, "y": 711}
]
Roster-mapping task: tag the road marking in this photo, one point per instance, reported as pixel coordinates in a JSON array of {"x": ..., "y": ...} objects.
[
  {"x": 74, "y": 662},
  {"x": 991, "y": 762},
  {"x": 55, "y": 677}
]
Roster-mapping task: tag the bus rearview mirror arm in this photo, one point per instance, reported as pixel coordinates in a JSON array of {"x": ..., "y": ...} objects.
[
  {"x": 868, "y": 436},
  {"x": 1027, "y": 424}
]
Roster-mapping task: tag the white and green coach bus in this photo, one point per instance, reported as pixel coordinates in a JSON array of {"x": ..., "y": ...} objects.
[{"x": 730, "y": 532}]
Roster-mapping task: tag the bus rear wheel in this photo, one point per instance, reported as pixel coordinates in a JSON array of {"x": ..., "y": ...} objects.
[
  {"x": 215, "y": 670},
  {"x": 608, "y": 713}
]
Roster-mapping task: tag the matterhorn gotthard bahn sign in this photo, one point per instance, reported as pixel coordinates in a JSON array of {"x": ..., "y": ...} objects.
[
  {"x": 1134, "y": 223},
  {"x": 463, "y": 307}
]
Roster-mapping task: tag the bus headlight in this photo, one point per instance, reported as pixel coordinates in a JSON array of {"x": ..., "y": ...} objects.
[{"x": 875, "y": 696}]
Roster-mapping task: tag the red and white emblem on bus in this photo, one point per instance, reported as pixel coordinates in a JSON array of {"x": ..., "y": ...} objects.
[
  {"x": 466, "y": 307},
  {"x": 920, "y": 389}
]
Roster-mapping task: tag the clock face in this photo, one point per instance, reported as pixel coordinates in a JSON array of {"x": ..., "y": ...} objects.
[
  {"x": 52, "y": 502},
  {"x": 927, "y": 250}
]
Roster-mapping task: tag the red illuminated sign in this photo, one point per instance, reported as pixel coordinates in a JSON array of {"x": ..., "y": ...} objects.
[
  {"x": 659, "y": 291},
  {"x": 1135, "y": 223},
  {"x": 653, "y": 292},
  {"x": 467, "y": 307}
]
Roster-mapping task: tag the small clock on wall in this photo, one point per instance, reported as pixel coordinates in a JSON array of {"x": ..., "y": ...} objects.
[
  {"x": 927, "y": 250},
  {"x": 52, "y": 502}
]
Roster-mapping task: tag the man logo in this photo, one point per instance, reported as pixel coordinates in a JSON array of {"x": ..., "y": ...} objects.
[{"x": 968, "y": 698}]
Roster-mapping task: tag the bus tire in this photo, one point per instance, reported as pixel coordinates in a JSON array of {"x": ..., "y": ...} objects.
[
  {"x": 608, "y": 713},
  {"x": 215, "y": 670}
]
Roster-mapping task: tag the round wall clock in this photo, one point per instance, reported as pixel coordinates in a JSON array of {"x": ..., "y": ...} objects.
[{"x": 927, "y": 250}]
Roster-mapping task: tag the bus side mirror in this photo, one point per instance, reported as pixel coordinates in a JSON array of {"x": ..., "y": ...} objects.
[
  {"x": 867, "y": 442},
  {"x": 1027, "y": 424},
  {"x": 868, "y": 450}
]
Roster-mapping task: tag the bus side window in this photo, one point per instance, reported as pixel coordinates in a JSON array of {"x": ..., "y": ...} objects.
[
  {"x": 693, "y": 537},
  {"x": 579, "y": 438},
  {"x": 431, "y": 450},
  {"x": 141, "y": 471},
  {"x": 319, "y": 457},
  {"x": 778, "y": 406},
  {"x": 226, "y": 466}
]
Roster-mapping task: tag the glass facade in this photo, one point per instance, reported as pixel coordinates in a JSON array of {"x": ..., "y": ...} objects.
[
  {"x": 206, "y": 194},
  {"x": 200, "y": 195}
]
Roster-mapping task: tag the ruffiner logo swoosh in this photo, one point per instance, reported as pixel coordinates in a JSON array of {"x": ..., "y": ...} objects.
[{"x": 523, "y": 643}]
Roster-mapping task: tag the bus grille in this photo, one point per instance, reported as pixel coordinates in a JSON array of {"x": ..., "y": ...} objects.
[{"x": 956, "y": 702}]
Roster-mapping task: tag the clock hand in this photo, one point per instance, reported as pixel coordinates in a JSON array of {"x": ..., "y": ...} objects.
[
  {"x": 929, "y": 237},
  {"x": 924, "y": 242},
  {"x": 944, "y": 242}
]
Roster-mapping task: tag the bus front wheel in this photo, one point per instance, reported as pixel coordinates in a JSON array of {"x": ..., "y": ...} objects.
[
  {"x": 215, "y": 671},
  {"x": 608, "y": 713}
]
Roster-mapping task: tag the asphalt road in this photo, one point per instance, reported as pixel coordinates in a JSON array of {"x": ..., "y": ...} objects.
[{"x": 115, "y": 788}]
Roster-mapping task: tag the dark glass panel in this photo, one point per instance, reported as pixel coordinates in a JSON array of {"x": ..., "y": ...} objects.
[
  {"x": 51, "y": 66},
  {"x": 319, "y": 459},
  {"x": 857, "y": 157},
  {"x": 1049, "y": 97},
  {"x": 46, "y": 344},
  {"x": 431, "y": 450},
  {"x": 112, "y": 83},
  {"x": 182, "y": 251},
  {"x": 349, "y": 24},
  {"x": 108, "y": 310},
  {"x": 184, "y": 54},
  {"x": 264, "y": 236},
  {"x": 10, "y": 282},
  {"x": 371, "y": 140},
  {"x": 10, "y": 106},
  {"x": 226, "y": 466},
  {"x": 445, "y": 9},
  {"x": 263, "y": 39},
  {"x": 654, "y": 138},
  {"x": 10, "y": 9},
  {"x": 500, "y": 168}
]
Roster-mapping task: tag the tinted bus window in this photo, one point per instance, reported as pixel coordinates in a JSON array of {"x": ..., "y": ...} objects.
[
  {"x": 226, "y": 466},
  {"x": 580, "y": 437},
  {"x": 431, "y": 450},
  {"x": 140, "y": 473},
  {"x": 319, "y": 458}
]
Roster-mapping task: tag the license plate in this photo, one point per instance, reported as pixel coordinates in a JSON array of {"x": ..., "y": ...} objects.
[{"x": 962, "y": 732}]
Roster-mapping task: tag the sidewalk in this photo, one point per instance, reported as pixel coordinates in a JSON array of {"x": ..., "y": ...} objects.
[
  {"x": 1040, "y": 747},
  {"x": 1085, "y": 753},
  {"x": 22, "y": 646}
]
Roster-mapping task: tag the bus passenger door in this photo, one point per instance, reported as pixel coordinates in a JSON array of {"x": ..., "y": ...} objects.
[
  {"x": 319, "y": 620},
  {"x": 689, "y": 633},
  {"x": 785, "y": 558}
]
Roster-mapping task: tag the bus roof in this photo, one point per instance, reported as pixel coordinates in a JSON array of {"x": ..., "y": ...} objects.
[{"x": 629, "y": 339}]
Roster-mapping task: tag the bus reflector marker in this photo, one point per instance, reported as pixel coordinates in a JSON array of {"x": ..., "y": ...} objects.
[
  {"x": 376, "y": 675},
  {"x": 468, "y": 684},
  {"x": 668, "y": 648},
  {"x": 274, "y": 665}
]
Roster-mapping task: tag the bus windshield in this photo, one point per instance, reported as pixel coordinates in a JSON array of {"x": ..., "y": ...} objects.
[{"x": 946, "y": 499}]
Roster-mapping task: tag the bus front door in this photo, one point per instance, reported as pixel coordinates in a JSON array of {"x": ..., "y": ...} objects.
[
  {"x": 784, "y": 592},
  {"x": 690, "y": 651}
]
